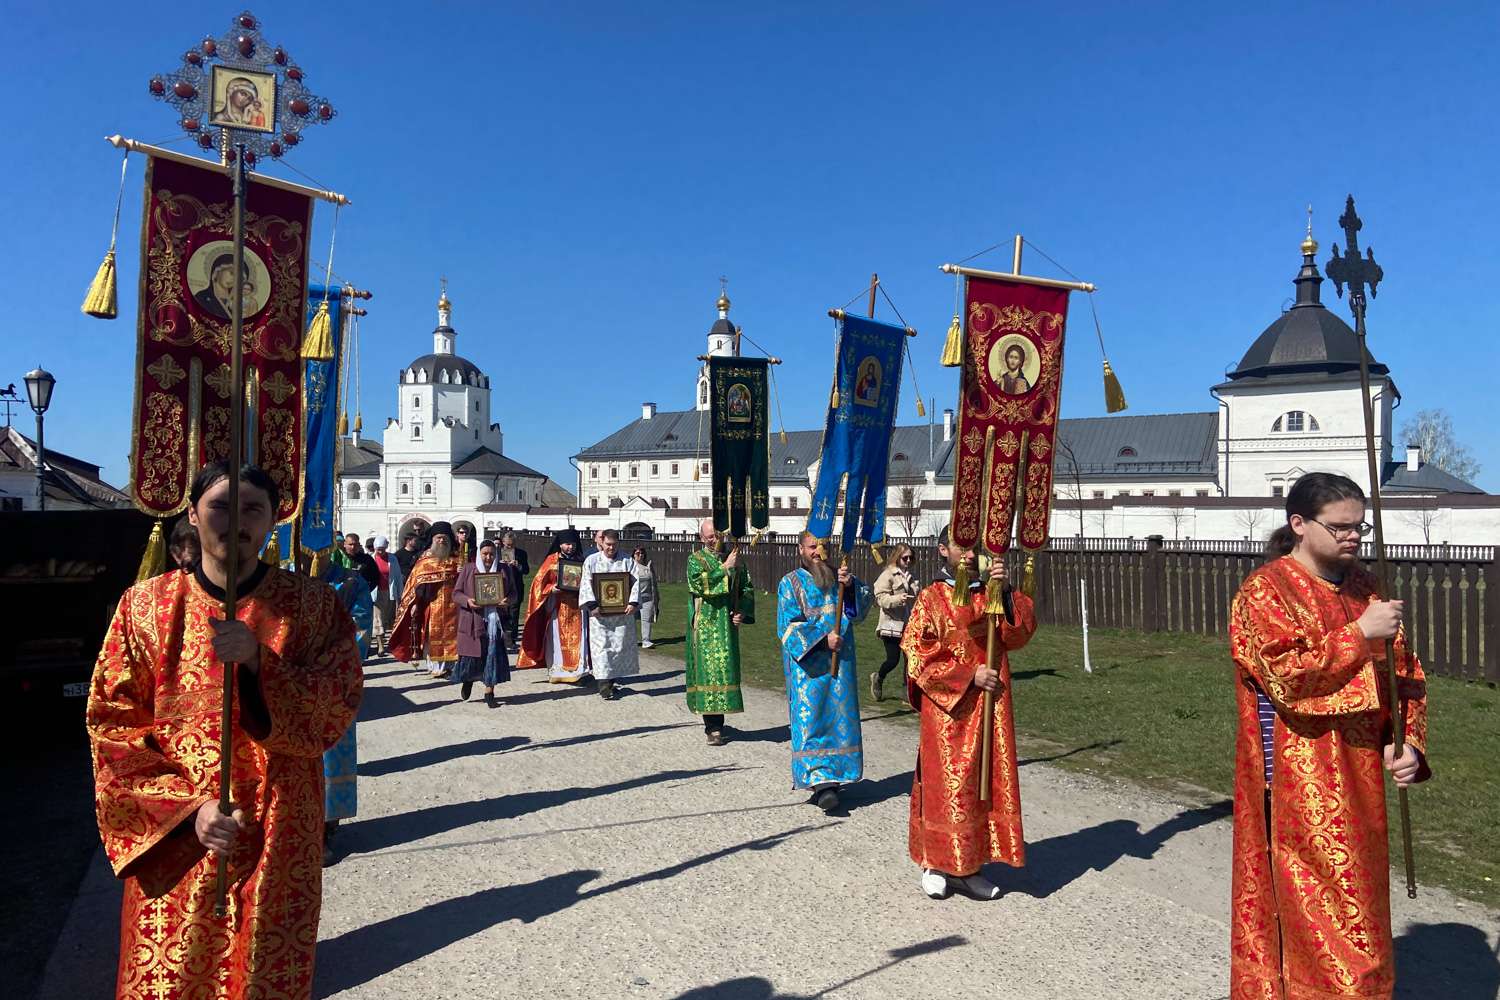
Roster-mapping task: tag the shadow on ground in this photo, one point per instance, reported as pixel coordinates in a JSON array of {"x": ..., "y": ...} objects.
[
  {"x": 1057, "y": 862},
  {"x": 370, "y": 835},
  {"x": 369, "y": 952},
  {"x": 757, "y": 988},
  {"x": 438, "y": 755},
  {"x": 1450, "y": 960}
]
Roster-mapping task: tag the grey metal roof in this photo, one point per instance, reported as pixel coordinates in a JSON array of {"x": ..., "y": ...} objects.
[
  {"x": 368, "y": 470},
  {"x": 485, "y": 462},
  {"x": 353, "y": 455},
  {"x": 669, "y": 433},
  {"x": 462, "y": 370},
  {"x": 1307, "y": 339},
  {"x": 1397, "y": 478}
]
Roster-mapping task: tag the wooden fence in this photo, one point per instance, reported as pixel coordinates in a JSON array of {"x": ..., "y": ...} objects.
[{"x": 1154, "y": 585}]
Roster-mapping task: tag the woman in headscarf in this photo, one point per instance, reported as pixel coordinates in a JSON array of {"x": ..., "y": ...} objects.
[{"x": 481, "y": 630}]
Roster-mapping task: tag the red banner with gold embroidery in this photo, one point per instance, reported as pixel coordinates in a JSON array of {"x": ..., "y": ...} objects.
[
  {"x": 183, "y": 392},
  {"x": 1007, "y": 417}
]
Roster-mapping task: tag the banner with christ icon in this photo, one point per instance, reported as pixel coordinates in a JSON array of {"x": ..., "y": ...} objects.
[
  {"x": 1012, "y": 359},
  {"x": 857, "y": 432},
  {"x": 184, "y": 397},
  {"x": 739, "y": 443}
]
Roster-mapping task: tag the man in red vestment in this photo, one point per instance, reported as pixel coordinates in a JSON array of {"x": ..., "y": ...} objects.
[
  {"x": 952, "y": 833},
  {"x": 555, "y": 634},
  {"x": 154, "y": 722},
  {"x": 427, "y": 619},
  {"x": 1310, "y": 908}
]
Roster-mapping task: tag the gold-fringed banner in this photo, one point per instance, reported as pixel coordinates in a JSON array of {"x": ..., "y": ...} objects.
[
  {"x": 184, "y": 398},
  {"x": 1012, "y": 357}
]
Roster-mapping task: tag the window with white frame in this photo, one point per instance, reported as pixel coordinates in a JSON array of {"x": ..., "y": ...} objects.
[{"x": 1295, "y": 422}]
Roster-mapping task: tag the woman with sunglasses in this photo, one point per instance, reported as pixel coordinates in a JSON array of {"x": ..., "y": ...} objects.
[{"x": 895, "y": 592}]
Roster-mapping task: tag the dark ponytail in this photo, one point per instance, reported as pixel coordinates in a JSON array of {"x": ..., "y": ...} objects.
[{"x": 1307, "y": 498}]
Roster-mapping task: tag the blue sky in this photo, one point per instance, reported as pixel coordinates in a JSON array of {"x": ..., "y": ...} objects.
[{"x": 583, "y": 175}]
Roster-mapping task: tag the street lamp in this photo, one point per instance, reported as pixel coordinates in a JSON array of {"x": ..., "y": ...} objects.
[{"x": 39, "y": 383}]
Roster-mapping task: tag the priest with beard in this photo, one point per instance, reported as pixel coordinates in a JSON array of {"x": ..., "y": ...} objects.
[
  {"x": 723, "y": 599},
  {"x": 612, "y": 649},
  {"x": 815, "y": 621},
  {"x": 427, "y": 621},
  {"x": 555, "y": 634}
]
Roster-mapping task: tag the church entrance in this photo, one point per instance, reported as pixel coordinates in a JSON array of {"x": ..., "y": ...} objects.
[
  {"x": 636, "y": 531},
  {"x": 413, "y": 526}
]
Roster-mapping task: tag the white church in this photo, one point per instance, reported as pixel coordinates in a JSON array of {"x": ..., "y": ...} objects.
[
  {"x": 441, "y": 458},
  {"x": 1291, "y": 406}
]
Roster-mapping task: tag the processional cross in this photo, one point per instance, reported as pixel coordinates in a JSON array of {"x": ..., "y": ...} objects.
[{"x": 1360, "y": 273}]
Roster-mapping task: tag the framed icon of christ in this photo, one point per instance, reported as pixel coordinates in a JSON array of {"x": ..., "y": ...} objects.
[{"x": 612, "y": 592}]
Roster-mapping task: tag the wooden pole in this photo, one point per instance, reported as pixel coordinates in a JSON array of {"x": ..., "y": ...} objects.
[{"x": 232, "y": 560}]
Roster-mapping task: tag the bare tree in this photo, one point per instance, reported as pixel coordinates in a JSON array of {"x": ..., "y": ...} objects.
[
  {"x": 1178, "y": 516},
  {"x": 1075, "y": 486},
  {"x": 1250, "y": 518},
  {"x": 910, "y": 499},
  {"x": 1424, "y": 517},
  {"x": 1432, "y": 431}
]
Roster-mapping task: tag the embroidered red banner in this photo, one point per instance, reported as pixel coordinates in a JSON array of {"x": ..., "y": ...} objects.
[
  {"x": 183, "y": 392},
  {"x": 1008, "y": 398}
]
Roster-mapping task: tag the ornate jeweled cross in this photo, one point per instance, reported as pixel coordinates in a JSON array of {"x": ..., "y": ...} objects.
[{"x": 1353, "y": 270}]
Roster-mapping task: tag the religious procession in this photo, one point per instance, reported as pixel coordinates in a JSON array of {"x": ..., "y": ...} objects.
[{"x": 749, "y": 714}]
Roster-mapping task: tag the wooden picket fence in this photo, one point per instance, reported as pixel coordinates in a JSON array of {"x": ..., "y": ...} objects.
[{"x": 1157, "y": 585}]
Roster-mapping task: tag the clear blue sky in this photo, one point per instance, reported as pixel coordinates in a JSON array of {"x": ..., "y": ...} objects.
[{"x": 583, "y": 177}]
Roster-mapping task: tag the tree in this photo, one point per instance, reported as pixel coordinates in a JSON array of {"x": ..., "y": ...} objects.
[
  {"x": 910, "y": 499},
  {"x": 1432, "y": 431},
  {"x": 1424, "y": 517},
  {"x": 1178, "y": 516},
  {"x": 1250, "y": 519},
  {"x": 1075, "y": 487}
]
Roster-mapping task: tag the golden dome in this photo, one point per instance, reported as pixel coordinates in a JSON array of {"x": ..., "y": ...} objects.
[
  {"x": 723, "y": 303},
  {"x": 1309, "y": 245}
]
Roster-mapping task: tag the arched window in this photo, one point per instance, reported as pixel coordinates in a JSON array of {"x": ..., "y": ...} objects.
[
  {"x": 443, "y": 376},
  {"x": 422, "y": 375},
  {"x": 702, "y": 393},
  {"x": 416, "y": 402},
  {"x": 353, "y": 491},
  {"x": 405, "y": 488},
  {"x": 1127, "y": 452},
  {"x": 373, "y": 491},
  {"x": 427, "y": 489},
  {"x": 900, "y": 456},
  {"x": 416, "y": 430},
  {"x": 1295, "y": 422}
]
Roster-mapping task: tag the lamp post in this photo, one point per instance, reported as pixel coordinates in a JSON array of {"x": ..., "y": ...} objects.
[{"x": 39, "y": 383}]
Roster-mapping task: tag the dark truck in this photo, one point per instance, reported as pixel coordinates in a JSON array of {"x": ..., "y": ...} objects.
[{"x": 61, "y": 576}]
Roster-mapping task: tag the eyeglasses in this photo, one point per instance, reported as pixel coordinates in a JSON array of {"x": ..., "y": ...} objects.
[{"x": 1338, "y": 531}]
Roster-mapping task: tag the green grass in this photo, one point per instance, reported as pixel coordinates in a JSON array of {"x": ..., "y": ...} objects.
[{"x": 1159, "y": 710}]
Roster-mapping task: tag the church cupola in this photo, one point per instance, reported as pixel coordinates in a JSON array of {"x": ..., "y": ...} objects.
[
  {"x": 444, "y": 336},
  {"x": 723, "y": 341}
]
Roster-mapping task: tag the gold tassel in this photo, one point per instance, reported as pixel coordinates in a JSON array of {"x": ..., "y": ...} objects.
[
  {"x": 359, "y": 422},
  {"x": 696, "y": 466},
  {"x": 953, "y": 347},
  {"x": 994, "y": 601},
  {"x": 833, "y": 401},
  {"x": 783, "y": 435},
  {"x": 102, "y": 300},
  {"x": 1028, "y": 577},
  {"x": 1114, "y": 394},
  {"x": 271, "y": 554},
  {"x": 961, "y": 585},
  {"x": 343, "y": 425},
  {"x": 823, "y": 550},
  {"x": 154, "y": 559},
  {"x": 319, "y": 565},
  {"x": 755, "y": 538},
  {"x": 875, "y": 551},
  {"x": 318, "y": 344},
  {"x": 921, "y": 410}
]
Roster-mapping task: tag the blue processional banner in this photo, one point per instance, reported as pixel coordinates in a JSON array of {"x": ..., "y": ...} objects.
[
  {"x": 857, "y": 435},
  {"x": 320, "y": 385}
]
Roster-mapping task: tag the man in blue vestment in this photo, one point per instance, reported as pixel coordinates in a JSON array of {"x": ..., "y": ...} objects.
[
  {"x": 824, "y": 706},
  {"x": 341, "y": 761}
]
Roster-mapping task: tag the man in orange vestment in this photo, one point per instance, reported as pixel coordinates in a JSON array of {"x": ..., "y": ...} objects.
[
  {"x": 154, "y": 722},
  {"x": 1310, "y": 908},
  {"x": 555, "y": 634},
  {"x": 952, "y": 833},
  {"x": 427, "y": 619}
]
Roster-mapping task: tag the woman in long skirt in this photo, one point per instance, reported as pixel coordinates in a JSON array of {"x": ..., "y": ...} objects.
[
  {"x": 647, "y": 609},
  {"x": 481, "y": 632}
]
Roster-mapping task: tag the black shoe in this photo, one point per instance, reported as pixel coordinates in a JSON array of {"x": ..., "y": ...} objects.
[
  {"x": 607, "y": 690},
  {"x": 466, "y": 690},
  {"x": 715, "y": 738},
  {"x": 828, "y": 800},
  {"x": 875, "y": 691}
]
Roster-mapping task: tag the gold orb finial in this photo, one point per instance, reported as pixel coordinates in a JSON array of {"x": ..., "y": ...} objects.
[
  {"x": 1309, "y": 245},
  {"x": 723, "y": 303},
  {"x": 443, "y": 302}
]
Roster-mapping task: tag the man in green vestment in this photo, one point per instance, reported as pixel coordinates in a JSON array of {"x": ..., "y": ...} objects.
[{"x": 722, "y": 601}]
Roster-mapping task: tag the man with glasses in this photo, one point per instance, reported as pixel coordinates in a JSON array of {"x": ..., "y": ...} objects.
[{"x": 1310, "y": 895}]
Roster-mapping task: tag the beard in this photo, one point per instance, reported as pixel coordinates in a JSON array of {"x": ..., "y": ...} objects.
[
  {"x": 441, "y": 548},
  {"x": 821, "y": 572}
]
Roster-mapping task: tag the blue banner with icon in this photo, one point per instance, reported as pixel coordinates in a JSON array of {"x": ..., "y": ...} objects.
[
  {"x": 320, "y": 411},
  {"x": 857, "y": 435}
]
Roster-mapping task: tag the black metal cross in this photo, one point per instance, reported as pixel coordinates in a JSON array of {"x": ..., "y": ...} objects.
[{"x": 1353, "y": 270}]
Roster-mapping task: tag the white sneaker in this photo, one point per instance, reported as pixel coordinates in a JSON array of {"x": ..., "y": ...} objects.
[
  {"x": 647, "y": 645},
  {"x": 935, "y": 884},
  {"x": 976, "y": 886}
]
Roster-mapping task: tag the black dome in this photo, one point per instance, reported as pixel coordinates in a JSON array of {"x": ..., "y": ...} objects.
[
  {"x": 721, "y": 326},
  {"x": 460, "y": 370},
  {"x": 1307, "y": 339}
]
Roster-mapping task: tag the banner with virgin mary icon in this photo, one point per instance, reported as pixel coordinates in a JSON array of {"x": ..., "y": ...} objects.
[
  {"x": 184, "y": 397},
  {"x": 1007, "y": 418}
]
